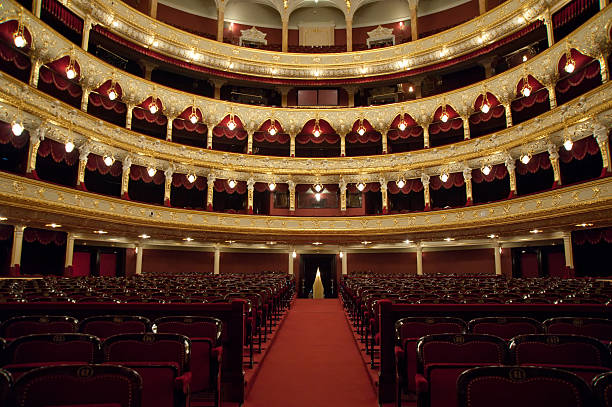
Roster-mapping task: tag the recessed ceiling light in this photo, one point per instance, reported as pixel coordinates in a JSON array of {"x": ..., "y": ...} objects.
[
  {"x": 144, "y": 236},
  {"x": 317, "y": 243},
  {"x": 230, "y": 241},
  {"x": 408, "y": 241},
  {"x": 100, "y": 232},
  {"x": 492, "y": 236},
  {"x": 188, "y": 239},
  {"x": 3, "y": 218},
  {"x": 366, "y": 242},
  {"x": 53, "y": 225},
  {"x": 584, "y": 225},
  {"x": 449, "y": 239},
  {"x": 271, "y": 242},
  {"x": 534, "y": 231}
]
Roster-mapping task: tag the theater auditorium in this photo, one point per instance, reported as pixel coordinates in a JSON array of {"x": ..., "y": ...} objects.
[{"x": 297, "y": 203}]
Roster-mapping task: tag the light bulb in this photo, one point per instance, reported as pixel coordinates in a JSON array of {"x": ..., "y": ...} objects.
[
  {"x": 17, "y": 128},
  {"x": 341, "y": 255},
  {"x": 486, "y": 169},
  {"x": 108, "y": 160},
  {"x": 19, "y": 39},
  {"x": 570, "y": 65},
  {"x": 193, "y": 118},
  {"x": 272, "y": 186},
  {"x": 317, "y": 132},
  {"x": 401, "y": 183},
  {"x": 151, "y": 171},
  {"x": 485, "y": 108},
  {"x": 153, "y": 107},
  {"x": 231, "y": 125},
  {"x": 525, "y": 158},
  {"x": 568, "y": 144},
  {"x": 318, "y": 196},
  {"x": 361, "y": 131},
  {"x": 294, "y": 254},
  {"x": 526, "y": 91},
  {"x": 112, "y": 94},
  {"x": 361, "y": 186},
  {"x": 444, "y": 177},
  {"x": 410, "y": 89},
  {"x": 69, "y": 146},
  {"x": 70, "y": 72},
  {"x": 318, "y": 187},
  {"x": 402, "y": 125},
  {"x": 191, "y": 178},
  {"x": 524, "y": 58},
  {"x": 444, "y": 117},
  {"x": 231, "y": 183},
  {"x": 272, "y": 130}
]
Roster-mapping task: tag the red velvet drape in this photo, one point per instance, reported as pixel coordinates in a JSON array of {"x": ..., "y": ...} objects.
[
  {"x": 57, "y": 151},
  {"x": 537, "y": 162},
  {"x": 138, "y": 172},
  {"x": 221, "y": 185},
  {"x": 44, "y": 236},
  {"x": 96, "y": 163},
  {"x": 455, "y": 179},
  {"x": 592, "y": 236},
  {"x": 412, "y": 185},
  {"x": 181, "y": 181},
  {"x": 7, "y": 136},
  {"x": 498, "y": 171},
  {"x": 579, "y": 150}
]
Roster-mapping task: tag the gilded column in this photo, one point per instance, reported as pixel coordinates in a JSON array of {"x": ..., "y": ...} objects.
[
  {"x": 125, "y": 177},
  {"x": 291, "y": 185},
  {"x": 551, "y": 95},
  {"x": 83, "y": 156},
  {"x": 467, "y": 177},
  {"x": 209, "y": 136},
  {"x": 292, "y": 145},
  {"x": 210, "y": 191},
  {"x": 426, "y": 135},
  {"x": 168, "y": 186},
  {"x": 425, "y": 182},
  {"x": 383, "y": 137},
  {"x": 86, "y": 29},
  {"x": 600, "y": 132},
  {"x": 414, "y": 19},
  {"x": 250, "y": 193},
  {"x": 220, "y": 20},
  {"x": 383, "y": 192},
  {"x": 342, "y": 185},
  {"x": 35, "y": 138},
  {"x": 285, "y": 34},
  {"x": 342, "y": 145},
  {"x": 85, "y": 98},
  {"x": 511, "y": 167},
  {"x": 569, "y": 253},
  {"x": 497, "y": 254},
  {"x": 250, "y": 142},
  {"x": 69, "y": 255},
  {"x": 482, "y": 6},
  {"x": 553, "y": 154},
  {"x": 169, "y": 127},
  {"x": 34, "y": 73},
  {"x": 549, "y": 28},
  {"x": 508, "y": 112},
  {"x": 604, "y": 68},
  {"x": 128, "y": 116},
  {"x": 466, "y": 127},
  {"x": 419, "y": 258},
  {"x": 349, "y": 34},
  {"x": 16, "y": 250}
]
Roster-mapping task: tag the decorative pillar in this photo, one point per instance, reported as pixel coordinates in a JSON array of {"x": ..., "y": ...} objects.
[
  {"x": 345, "y": 264},
  {"x": 466, "y": 127},
  {"x": 569, "y": 253},
  {"x": 342, "y": 145},
  {"x": 85, "y": 99},
  {"x": 290, "y": 263},
  {"x": 291, "y": 185},
  {"x": 87, "y": 28},
  {"x": 125, "y": 177},
  {"x": 36, "y": 7},
  {"x": 69, "y": 255},
  {"x": 34, "y": 73},
  {"x": 292, "y": 145},
  {"x": 497, "y": 253},
  {"x": 603, "y": 4},
  {"x": 342, "y": 185},
  {"x": 419, "y": 259},
  {"x": 169, "y": 127},
  {"x": 467, "y": 177},
  {"x": 350, "y": 91},
  {"x": 383, "y": 137},
  {"x": 604, "y": 68},
  {"x": 168, "y": 186},
  {"x": 153, "y": 8},
  {"x": 285, "y": 33},
  {"x": 218, "y": 83},
  {"x": 147, "y": 69},
  {"x": 553, "y": 154},
  {"x": 216, "y": 261},
  {"x": 35, "y": 138},
  {"x": 284, "y": 91},
  {"x": 383, "y": 192},
  {"x": 426, "y": 135},
  {"x": 349, "y": 34},
  {"x": 250, "y": 141},
  {"x": 128, "y": 116},
  {"x": 414, "y": 23},
  {"x": 482, "y": 6},
  {"x": 250, "y": 192},
  {"x": 551, "y": 95},
  {"x": 418, "y": 90},
  {"x": 425, "y": 182},
  {"x": 508, "y": 113},
  {"x": 601, "y": 135},
  {"x": 83, "y": 156},
  {"x": 511, "y": 167},
  {"x": 139, "y": 252},
  {"x": 210, "y": 180},
  {"x": 220, "y": 20},
  {"x": 209, "y": 136},
  {"x": 16, "y": 250},
  {"x": 549, "y": 28}
]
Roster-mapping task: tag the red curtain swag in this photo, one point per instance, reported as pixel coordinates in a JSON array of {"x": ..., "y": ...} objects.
[
  {"x": 8, "y": 28},
  {"x": 238, "y": 133},
  {"x": 44, "y": 236},
  {"x": 498, "y": 171},
  {"x": 579, "y": 150},
  {"x": 310, "y": 138},
  {"x": 181, "y": 181},
  {"x": 264, "y": 136},
  {"x": 571, "y": 11},
  {"x": 96, "y": 163},
  {"x": 409, "y": 132},
  {"x": 412, "y": 185},
  {"x": 59, "y": 66},
  {"x": 541, "y": 96},
  {"x": 71, "y": 20},
  {"x": 53, "y": 78},
  {"x": 590, "y": 71},
  {"x": 301, "y": 188},
  {"x": 58, "y": 152},
  {"x": 139, "y": 173},
  {"x": 439, "y": 127},
  {"x": 221, "y": 185},
  {"x": 19, "y": 60},
  {"x": 98, "y": 100},
  {"x": 455, "y": 179},
  {"x": 495, "y": 113},
  {"x": 106, "y": 86},
  {"x": 537, "y": 162},
  {"x": 7, "y": 136},
  {"x": 369, "y": 187},
  {"x": 143, "y": 114},
  {"x": 592, "y": 236},
  {"x": 372, "y": 137},
  {"x": 181, "y": 124}
]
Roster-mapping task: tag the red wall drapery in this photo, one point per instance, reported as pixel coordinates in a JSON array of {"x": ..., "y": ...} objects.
[
  {"x": 498, "y": 171},
  {"x": 71, "y": 20},
  {"x": 369, "y": 187},
  {"x": 98, "y": 100},
  {"x": 592, "y": 236},
  {"x": 439, "y": 127},
  {"x": 414, "y": 131},
  {"x": 144, "y": 114},
  {"x": 8, "y": 28},
  {"x": 7, "y": 136},
  {"x": 57, "y": 151},
  {"x": 412, "y": 185},
  {"x": 19, "y": 60},
  {"x": 181, "y": 124},
  {"x": 590, "y": 71},
  {"x": 44, "y": 236},
  {"x": 541, "y": 96},
  {"x": 181, "y": 181},
  {"x": 537, "y": 162},
  {"x": 221, "y": 185},
  {"x": 264, "y": 136},
  {"x": 495, "y": 113},
  {"x": 301, "y": 188},
  {"x": 96, "y": 163},
  {"x": 139, "y": 173},
  {"x": 579, "y": 150},
  {"x": 310, "y": 138},
  {"x": 570, "y": 11},
  {"x": 60, "y": 82},
  {"x": 371, "y": 137},
  {"x": 455, "y": 179}
]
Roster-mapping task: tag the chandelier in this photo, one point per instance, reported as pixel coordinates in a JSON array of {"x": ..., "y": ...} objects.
[
  {"x": 19, "y": 38},
  {"x": 272, "y": 130},
  {"x": 317, "y": 129},
  {"x": 231, "y": 125},
  {"x": 193, "y": 116},
  {"x": 444, "y": 116}
]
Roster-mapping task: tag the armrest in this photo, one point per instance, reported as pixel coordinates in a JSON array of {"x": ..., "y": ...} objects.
[
  {"x": 422, "y": 385},
  {"x": 184, "y": 382}
]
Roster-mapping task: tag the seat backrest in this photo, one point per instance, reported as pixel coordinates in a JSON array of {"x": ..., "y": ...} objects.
[
  {"x": 525, "y": 386},
  {"x": 602, "y": 389},
  {"x": 416, "y": 327},
  {"x": 149, "y": 347},
  {"x": 505, "y": 327},
  {"x": 191, "y": 326},
  {"x": 558, "y": 349},
  {"x": 104, "y": 326},
  {"x": 461, "y": 348},
  {"x": 6, "y": 384},
  {"x": 599, "y": 328},
  {"x": 53, "y": 348},
  {"x": 37, "y": 324},
  {"x": 78, "y": 385}
]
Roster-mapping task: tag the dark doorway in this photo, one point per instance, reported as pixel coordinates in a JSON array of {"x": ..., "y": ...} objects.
[{"x": 326, "y": 263}]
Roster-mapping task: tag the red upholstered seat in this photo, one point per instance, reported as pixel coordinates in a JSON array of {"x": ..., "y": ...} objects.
[
  {"x": 596, "y": 327},
  {"x": 161, "y": 359},
  {"x": 108, "y": 325},
  {"x": 37, "y": 324},
  {"x": 6, "y": 383},
  {"x": 505, "y": 327},
  {"x": 442, "y": 358},
  {"x": 79, "y": 385},
  {"x": 602, "y": 389},
  {"x": 525, "y": 386}
]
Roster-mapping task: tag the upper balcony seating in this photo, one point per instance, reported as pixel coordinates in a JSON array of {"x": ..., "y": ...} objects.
[
  {"x": 85, "y": 385},
  {"x": 526, "y": 386}
]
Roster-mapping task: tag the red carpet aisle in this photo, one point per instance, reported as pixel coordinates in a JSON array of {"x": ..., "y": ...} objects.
[{"x": 313, "y": 362}]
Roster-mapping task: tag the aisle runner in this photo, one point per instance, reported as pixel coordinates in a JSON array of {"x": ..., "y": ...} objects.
[{"x": 313, "y": 362}]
